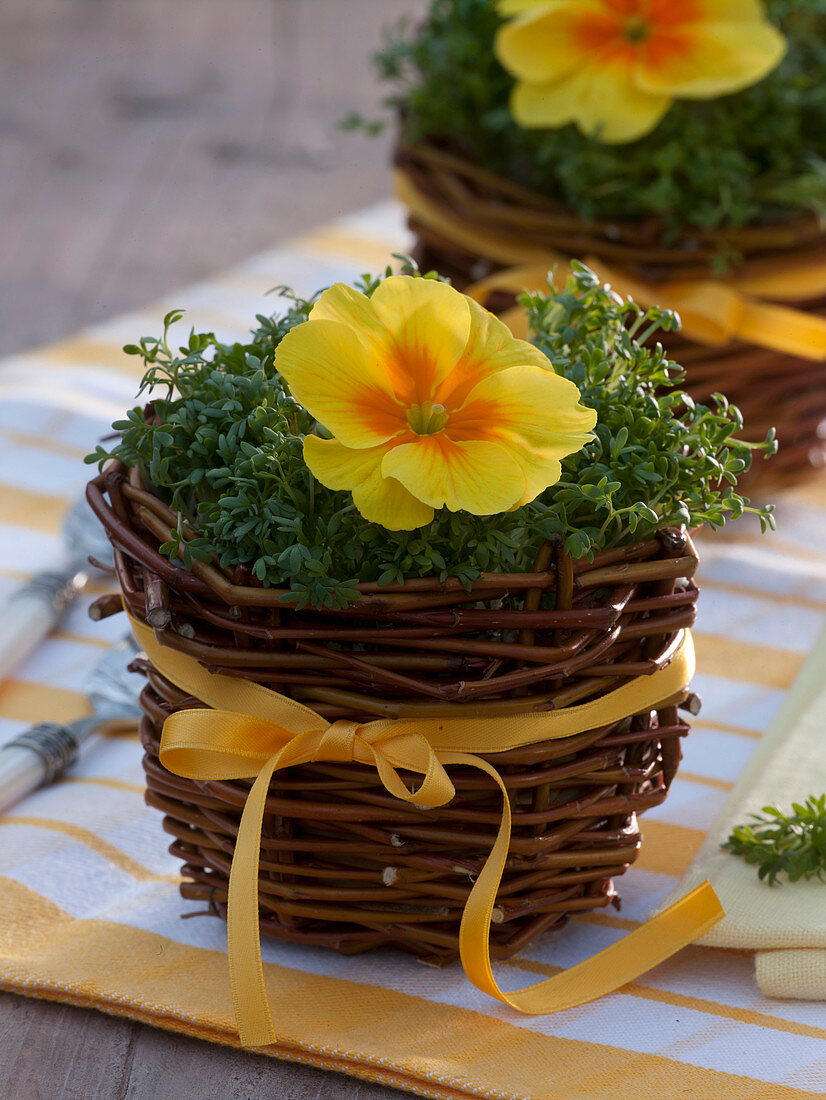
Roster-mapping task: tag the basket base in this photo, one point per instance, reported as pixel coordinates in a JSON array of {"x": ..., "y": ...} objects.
[
  {"x": 390, "y": 875},
  {"x": 343, "y": 862}
]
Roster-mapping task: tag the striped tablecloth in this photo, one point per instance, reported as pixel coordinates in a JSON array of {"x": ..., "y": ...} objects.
[{"x": 89, "y": 909}]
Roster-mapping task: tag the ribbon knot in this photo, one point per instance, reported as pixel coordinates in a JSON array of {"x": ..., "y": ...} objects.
[
  {"x": 338, "y": 742},
  {"x": 252, "y": 732}
]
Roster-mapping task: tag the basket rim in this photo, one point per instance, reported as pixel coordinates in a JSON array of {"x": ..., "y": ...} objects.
[
  {"x": 608, "y": 566},
  {"x": 783, "y": 235}
]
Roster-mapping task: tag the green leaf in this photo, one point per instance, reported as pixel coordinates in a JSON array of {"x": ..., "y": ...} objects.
[{"x": 778, "y": 842}]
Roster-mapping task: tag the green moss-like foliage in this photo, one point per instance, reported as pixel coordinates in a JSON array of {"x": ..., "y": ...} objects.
[
  {"x": 221, "y": 441},
  {"x": 756, "y": 156}
]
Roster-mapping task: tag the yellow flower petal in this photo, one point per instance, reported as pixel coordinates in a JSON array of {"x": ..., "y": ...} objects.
[
  {"x": 349, "y": 307},
  {"x": 340, "y": 467},
  {"x": 615, "y": 66},
  {"x": 714, "y": 59},
  {"x": 537, "y": 408},
  {"x": 429, "y": 323},
  {"x": 475, "y": 476},
  {"x": 379, "y": 499},
  {"x": 712, "y": 11},
  {"x": 542, "y": 469},
  {"x": 491, "y": 347},
  {"x": 518, "y": 7},
  {"x": 385, "y": 501},
  {"x": 602, "y": 99},
  {"x": 432, "y": 401},
  {"x": 342, "y": 385},
  {"x": 548, "y": 43}
]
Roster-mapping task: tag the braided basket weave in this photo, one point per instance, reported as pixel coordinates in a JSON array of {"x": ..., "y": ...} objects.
[
  {"x": 345, "y": 864},
  {"x": 770, "y": 388}
]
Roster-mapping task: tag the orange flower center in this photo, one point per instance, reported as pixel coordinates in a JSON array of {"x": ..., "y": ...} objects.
[
  {"x": 427, "y": 419},
  {"x": 653, "y": 31}
]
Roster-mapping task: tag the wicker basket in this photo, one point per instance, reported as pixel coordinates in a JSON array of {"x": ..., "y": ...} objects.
[
  {"x": 770, "y": 388},
  {"x": 343, "y": 863}
]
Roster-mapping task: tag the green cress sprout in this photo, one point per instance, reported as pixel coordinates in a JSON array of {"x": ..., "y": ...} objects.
[{"x": 220, "y": 441}]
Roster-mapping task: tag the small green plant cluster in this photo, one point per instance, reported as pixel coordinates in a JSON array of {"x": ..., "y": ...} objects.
[
  {"x": 221, "y": 441},
  {"x": 792, "y": 844},
  {"x": 756, "y": 156},
  {"x": 658, "y": 459}
]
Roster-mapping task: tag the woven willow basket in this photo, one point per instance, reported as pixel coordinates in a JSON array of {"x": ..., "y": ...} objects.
[
  {"x": 770, "y": 388},
  {"x": 345, "y": 864}
]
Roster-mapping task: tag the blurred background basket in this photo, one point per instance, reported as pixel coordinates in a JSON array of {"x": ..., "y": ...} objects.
[
  {"x": 343, "y": 863},
  {"x": 770, "y": 388}
]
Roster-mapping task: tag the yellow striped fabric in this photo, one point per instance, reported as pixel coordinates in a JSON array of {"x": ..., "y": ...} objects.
[{"x": 89, "y": 908}]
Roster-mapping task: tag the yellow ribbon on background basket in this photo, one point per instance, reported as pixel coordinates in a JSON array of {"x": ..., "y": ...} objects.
[
  {"x": 713, "y": 311},
  {"x": 252, "y": 731}
]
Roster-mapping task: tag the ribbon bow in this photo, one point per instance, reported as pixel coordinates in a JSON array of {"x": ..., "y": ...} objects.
[{"x": 252, "y": 732}]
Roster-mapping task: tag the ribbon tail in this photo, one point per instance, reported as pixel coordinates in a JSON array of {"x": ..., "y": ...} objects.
[
  {"x": 790, "y": 331},
  {"x": 246, "y": 968},
  {"x": 622, "y": 962}
]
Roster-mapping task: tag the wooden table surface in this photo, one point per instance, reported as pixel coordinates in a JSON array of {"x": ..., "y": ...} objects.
[
  {"x": 145, "y": 144},
  {"x": 55, "y": 1052}
]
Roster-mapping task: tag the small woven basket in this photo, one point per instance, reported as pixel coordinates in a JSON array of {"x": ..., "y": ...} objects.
[
  {"x": 345, "y": 864},
  {"x": 771, "y": 389}
]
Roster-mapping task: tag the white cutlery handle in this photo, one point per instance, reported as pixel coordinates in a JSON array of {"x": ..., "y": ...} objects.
[
  {"x": 21, "y": 772},
  {"x": 31, "y": 612},
  {"x": 38, "y": 756}
]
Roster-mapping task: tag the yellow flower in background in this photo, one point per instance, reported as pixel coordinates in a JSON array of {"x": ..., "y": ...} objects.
[
  {"x": 431, "y": 401},
  {"x": 615, "y": 66}
]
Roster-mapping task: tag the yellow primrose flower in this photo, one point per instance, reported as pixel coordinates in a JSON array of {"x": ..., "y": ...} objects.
[
  {"x": 432, "y": 403},
  {"x": 615, "y": 66}
]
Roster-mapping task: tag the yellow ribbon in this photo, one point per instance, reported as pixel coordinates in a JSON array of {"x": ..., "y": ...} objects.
[
  {"x": 712, "y": 311},
  {"x": 251, "y": 732}
]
